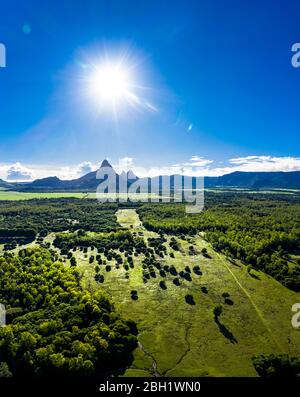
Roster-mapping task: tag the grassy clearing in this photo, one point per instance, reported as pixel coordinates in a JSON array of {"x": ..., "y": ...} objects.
[
  {"x": 180, "y": 339},
  {"x": 11, "y": 196},
  {"x": 253, "y": 191}
]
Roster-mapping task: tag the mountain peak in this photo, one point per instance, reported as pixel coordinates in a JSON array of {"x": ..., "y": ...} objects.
[{"x": 51, "y": 181}]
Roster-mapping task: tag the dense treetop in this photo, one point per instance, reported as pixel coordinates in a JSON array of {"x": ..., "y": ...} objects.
[
  {"x": 56, "y": 327},
  {"x": 54, "y": 215}
]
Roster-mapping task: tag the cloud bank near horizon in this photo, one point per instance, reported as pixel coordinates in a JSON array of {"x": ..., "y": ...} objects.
[{"x": 196, "y": 165}]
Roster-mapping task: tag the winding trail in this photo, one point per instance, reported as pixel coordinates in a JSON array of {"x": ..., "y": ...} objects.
[{"x": 258, "y": 312}]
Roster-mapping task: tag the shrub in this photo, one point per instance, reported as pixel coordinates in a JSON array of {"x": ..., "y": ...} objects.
[
  {"x": 281, "y": 365},
  {"x": 189, "y": 299},
  {"x": 162, "y": 285},
  {"x": 217, "y": 311}
]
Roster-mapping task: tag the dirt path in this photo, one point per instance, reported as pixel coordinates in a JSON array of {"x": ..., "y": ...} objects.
[{"x": 258, "y": 312}]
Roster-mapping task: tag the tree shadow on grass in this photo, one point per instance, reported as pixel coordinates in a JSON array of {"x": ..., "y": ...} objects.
[
  {"x": 233, "y": 262},
  {"x": 228, "y": 301},
  {"x": 254, "y": 276},
  {"x": 225, "y": 331}
]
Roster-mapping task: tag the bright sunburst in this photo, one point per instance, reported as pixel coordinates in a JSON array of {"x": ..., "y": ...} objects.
[
  {"x": 115, "y": 84},
  {"x": 110, "y": 84}
]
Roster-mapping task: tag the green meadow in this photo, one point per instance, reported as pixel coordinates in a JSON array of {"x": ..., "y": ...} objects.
[
  {"x": 13, "y": 195},
  {"x": 177, "y": 338}
]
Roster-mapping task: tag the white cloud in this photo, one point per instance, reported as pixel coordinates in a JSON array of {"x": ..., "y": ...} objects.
[
  {"x": 256, "y": 164},
  {"x": 266, "y": 163},
  {"x": 196, "y": 161},
  {"x": 17, "y": 172},
  {"x": 197, "y": 166},
  {"x": 124, "y": 164},
  {"x": 84, "y": 168},
  {"x": 75, "y": 171}
]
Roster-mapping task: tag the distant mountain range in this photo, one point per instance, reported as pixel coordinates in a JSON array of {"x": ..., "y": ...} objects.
[
  {"x": 256, "y": 180},
  {"x": 89, "y": 182}
]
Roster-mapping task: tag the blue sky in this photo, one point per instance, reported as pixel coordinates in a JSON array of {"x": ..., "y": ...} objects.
[{"x": 217, "y": 76}]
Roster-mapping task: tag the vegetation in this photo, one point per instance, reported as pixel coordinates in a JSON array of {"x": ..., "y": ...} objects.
[
  {"x": 217, "y": 311},
  {"x": 55, "y": 327},
  {"x": 10, "y": 195},
  {"x": 21, "y": 221},
  {"x": 277, "y": 366},
  {"x": 183, "y": 337},
  {"x": 262, "y": 231},
  {"x": 104, "y": 243},
  {"x": 195, "y": 280}
]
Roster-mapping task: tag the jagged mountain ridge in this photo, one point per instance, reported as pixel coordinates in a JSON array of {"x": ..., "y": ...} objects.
[{"x": 90, "y": 182}]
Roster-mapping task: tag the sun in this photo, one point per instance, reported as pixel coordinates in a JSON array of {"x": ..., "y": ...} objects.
[
  {"x": 111, "y": 85},
  {"x": 115, "y": 85}
]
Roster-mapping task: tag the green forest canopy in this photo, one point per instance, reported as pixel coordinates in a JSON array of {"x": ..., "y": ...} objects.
[{"x": 54, "y": 326}]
